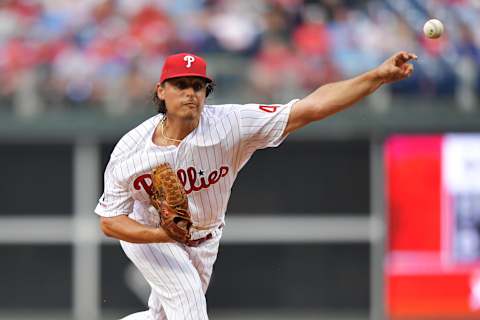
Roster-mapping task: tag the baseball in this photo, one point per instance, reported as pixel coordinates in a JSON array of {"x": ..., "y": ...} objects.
[{"x": 433, "y": 28}]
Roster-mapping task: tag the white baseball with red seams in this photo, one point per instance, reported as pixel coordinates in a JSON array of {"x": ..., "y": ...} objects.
[
  {"x": 433, "y": 29},
  {"x": 207, "y": 162}
]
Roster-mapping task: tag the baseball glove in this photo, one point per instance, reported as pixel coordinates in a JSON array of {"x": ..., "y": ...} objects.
[{"x": 171, "y": 202}]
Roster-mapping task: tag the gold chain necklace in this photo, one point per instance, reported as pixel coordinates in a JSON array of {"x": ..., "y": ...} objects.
[{"x": 163, "y": 134}]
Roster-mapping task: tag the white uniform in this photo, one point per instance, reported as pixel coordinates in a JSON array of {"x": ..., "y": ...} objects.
[{"x": 207, "y": 162}]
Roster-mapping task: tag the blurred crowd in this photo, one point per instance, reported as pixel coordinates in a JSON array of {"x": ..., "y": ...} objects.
[{"x": 107, "y": 54}]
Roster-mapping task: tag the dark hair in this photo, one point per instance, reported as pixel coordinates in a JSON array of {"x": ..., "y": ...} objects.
[{"x": 160, "y": 104}]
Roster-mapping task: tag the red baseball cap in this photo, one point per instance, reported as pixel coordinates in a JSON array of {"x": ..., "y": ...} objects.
[{"x": 184, "y": 65}]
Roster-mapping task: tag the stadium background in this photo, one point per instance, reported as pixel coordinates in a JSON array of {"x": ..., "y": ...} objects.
[{"x": 76, "y": 75}]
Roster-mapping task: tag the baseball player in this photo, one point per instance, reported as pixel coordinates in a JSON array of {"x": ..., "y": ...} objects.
[{"x": 206, "y": 146}]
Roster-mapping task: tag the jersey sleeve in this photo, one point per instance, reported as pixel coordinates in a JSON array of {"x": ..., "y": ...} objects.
[
  {"x": 263, "y": 126},
  {"x": 116, "y": 198}
]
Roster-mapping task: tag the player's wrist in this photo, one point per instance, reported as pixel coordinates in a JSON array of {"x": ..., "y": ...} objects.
[
  {"x": 160, "y": 235},
  {"x": 376, "y": 75}
]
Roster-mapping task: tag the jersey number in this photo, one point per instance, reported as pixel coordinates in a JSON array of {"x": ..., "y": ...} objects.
[{"x": 269, "y": 109}]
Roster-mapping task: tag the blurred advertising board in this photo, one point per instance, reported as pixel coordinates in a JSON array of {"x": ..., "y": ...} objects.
[{"x": 432, "y": 265}]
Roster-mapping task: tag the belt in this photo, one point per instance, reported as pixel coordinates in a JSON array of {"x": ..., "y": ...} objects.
[{"x": 197, "y": 242}]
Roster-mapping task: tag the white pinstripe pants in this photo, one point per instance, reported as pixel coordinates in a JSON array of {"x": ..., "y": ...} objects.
[{"x": 178, "y": 276}]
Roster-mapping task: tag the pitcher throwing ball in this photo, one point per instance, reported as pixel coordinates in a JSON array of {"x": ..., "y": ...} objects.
[{"x": 168, "y": 181}]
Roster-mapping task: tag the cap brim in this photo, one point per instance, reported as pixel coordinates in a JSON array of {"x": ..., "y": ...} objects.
[{"x": 181, "y": 75}]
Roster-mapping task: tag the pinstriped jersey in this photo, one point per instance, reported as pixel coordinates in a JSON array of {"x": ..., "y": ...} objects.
[{"x": 207, "y": 161}]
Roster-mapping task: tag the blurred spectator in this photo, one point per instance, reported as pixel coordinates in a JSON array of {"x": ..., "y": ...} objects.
[
  {"x": 275, "y": 71},
  {"x": 279, "y": 21},
  {"x": 103, "y": 53},
  {"x": 467, "y": 70},
  {"x": 235, "y": 25},
  {"x": 311, "y": 37}
]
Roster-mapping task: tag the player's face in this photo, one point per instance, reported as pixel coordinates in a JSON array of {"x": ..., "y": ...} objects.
[{"x": 184, "y": 97}]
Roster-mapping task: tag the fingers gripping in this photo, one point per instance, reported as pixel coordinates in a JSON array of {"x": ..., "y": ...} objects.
[
  {"x": 407, "y": 69},
  {"x": 402, "y": 57}
]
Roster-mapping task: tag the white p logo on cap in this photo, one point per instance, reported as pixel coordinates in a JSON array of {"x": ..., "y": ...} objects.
[{"x": 189, "y": 60}]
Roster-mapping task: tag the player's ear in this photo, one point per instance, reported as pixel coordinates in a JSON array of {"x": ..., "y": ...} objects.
[
  {"x": 160, "y": 89},
  {"x": 209, "y": 88}
]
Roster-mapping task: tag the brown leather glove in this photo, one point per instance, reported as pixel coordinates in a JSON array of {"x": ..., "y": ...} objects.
[{"x": 171, "y": 202}]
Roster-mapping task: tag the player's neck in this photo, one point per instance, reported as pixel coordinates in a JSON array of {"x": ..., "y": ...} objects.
[{"x": 173, "y": 130}]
